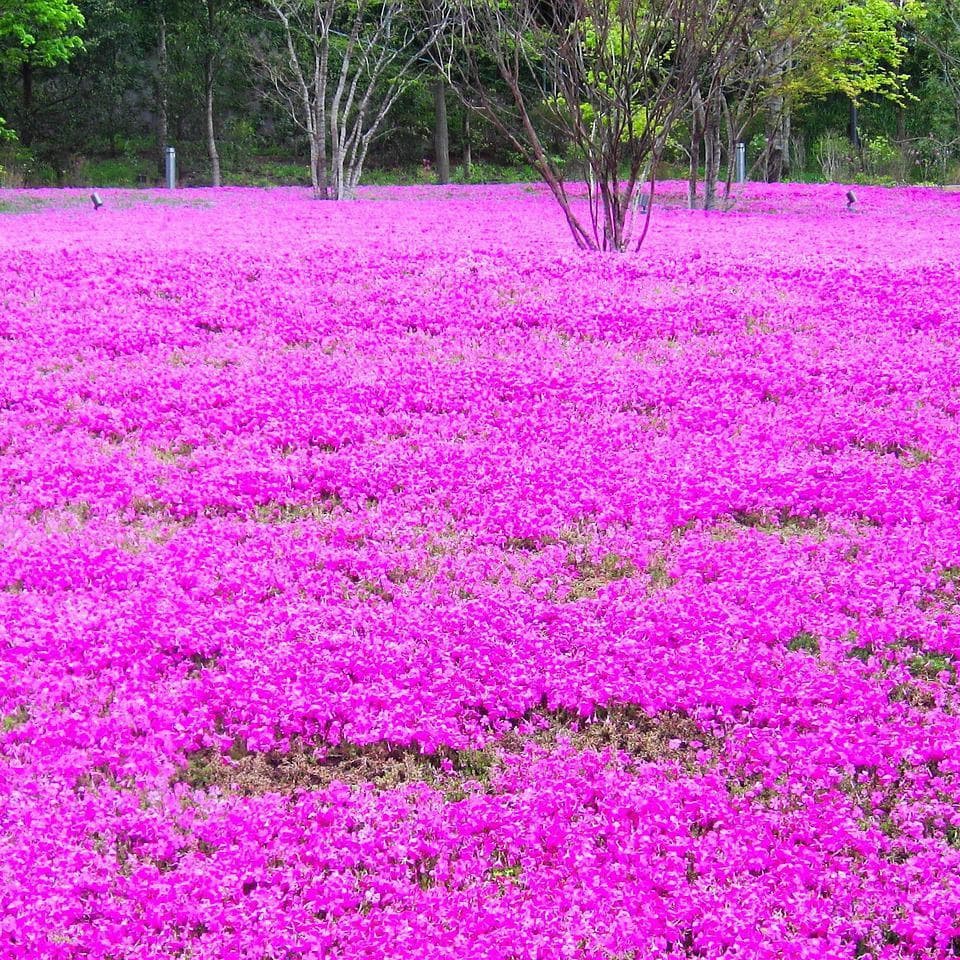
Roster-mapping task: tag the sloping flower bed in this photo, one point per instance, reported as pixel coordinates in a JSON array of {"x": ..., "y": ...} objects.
[{"x": 386, "y": 579}]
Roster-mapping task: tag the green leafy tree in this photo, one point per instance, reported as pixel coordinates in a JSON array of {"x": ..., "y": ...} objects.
[
  {"x": 792, "y": 52},
  {"x": 41, "y": 32},
  {"x": 37, "y": 33},
  {"x": 858, "y": 49}
]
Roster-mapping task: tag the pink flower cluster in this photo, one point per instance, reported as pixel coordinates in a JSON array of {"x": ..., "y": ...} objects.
[{"x": 387, "y": 579}]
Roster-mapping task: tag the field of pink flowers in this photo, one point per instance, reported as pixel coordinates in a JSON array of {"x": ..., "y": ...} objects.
[{"x": 386, "y": 579}]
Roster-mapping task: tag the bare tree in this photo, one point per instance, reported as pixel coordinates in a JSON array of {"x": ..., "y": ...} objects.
[
  {"x": 338, "y": 70},
  {"x": 710, "y": 114},
  {"x": 772, "y": 38},
  {"x": 609, "y": 77},
  {"x": 798, "y": 49},
  {"x": 763, "y": 74},
  {"x": 750, "y": 80}
]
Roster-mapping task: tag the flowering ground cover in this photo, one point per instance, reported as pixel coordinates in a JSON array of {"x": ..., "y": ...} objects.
[{"x": 387, "y": 579}]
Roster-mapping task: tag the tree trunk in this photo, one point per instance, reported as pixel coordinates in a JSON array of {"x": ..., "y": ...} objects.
[
  {"x": 336, "y": 141},
  {"x": 322, "y": 180},
  {"x": 441, "y": 132},
  {"x": 162, "y": 70},
  {"x": 696, "y": 133},
  {"x": 693, "y": 177},
  {"x": 336, "y": 161},
  {"x": 317, "y": 171},
  {"x": 212, "y": 151},
  {"x": 777, "y": 154},
  {"x": 209, "y": 84},
  {"x": 732, "y": 137},
  {"x": 787, "y": 132},
  {"x": 712, "y": 148},
  {"x": 854, "y": 126},
  {"x": 712, "y": 164},
  {"x": 338, "y": 112}
]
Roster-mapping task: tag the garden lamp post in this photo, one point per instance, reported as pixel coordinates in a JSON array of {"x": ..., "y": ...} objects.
[
  {"x": 170, "y": 167},
  {"x": 740, "y": 162}
]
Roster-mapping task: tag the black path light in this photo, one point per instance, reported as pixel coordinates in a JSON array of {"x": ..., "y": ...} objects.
[{"x": 96, "y": 201}]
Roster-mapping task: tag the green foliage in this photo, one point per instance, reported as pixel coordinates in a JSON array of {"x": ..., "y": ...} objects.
[
  {"x": 870, "y": 48},
  {"x": 475, "y": 764},
  {"x": 18, "y": 718},
  {"x": 929, "y": 666},
  {"x": 617, "y": 91},
  {"x": 496, "y": 173},
  {"x": 262, "y": 172},
  {"x": 879, "y": 161},
  {"x": 861, "y": 49},
  {"x": 114, "y": 172},
  {"x": 592, "y": 575},
  {"x": 805, "y": 642},
  {"x": 93, "y": 118},
  {"x": 480, "y": 172},
  {"x": 201, "y": 771},
  {"x": 874, "y": 180},
  {"x": 20, "y": 167},
  {"x": 939, "y": 41},
  {"x": 37, "y": 33},
  {"x": 634, "y": 126},
  {"x": 42, "y": 33}
]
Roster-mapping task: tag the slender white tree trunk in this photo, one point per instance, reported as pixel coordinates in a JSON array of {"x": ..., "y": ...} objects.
[
  {"x": 696, "y": 135},
  {"x": 209, "y": 89},
  {"x": 777, "y": 156},
  {"x": 712, "y": 149},
  {"x": 212, "y": 151},
  {"x": 162, "y": 71}
]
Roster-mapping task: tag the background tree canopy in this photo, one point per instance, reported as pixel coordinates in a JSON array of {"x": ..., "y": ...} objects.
[
  {"x": 40, "y": 32},
  {"x": 37, "y": 33},
  {"x": 94, "y": 89}
]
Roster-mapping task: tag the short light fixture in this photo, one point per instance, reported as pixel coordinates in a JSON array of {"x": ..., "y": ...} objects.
[
  {"x": 851, "y": 199},
  {"x": 96, "y": 201}
]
